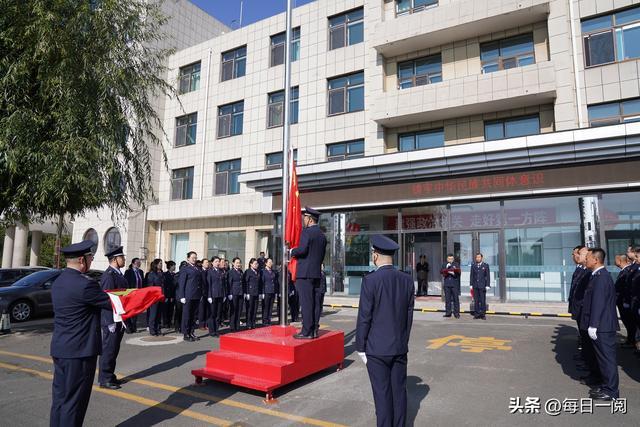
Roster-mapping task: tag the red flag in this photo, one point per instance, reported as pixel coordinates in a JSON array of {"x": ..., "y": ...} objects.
[
  {"x": 294, "y": 220},
  {"x": 135, "y": 301}
]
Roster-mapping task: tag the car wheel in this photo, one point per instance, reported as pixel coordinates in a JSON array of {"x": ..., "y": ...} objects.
[{"x": 21, "y": 311}]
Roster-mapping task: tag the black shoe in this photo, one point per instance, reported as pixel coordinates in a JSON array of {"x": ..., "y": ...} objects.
[
  {"x": 303, "y": 337},
  {"x": 195, "y": 338},
  {"x": 214, "y": 334},
  {"x": 446, "y": 315},
  {"x": 457, "y": 316},
  {"x": 110, "y": 386},
  {"x": 118, "y": 382},
  {"x": 188, "y": 338},
  {"x": 602, "y": 396},
  {"x": 483, "y": 317},
  {"x": 315, "y": 334},
  {"x": 476, "y": 317}
]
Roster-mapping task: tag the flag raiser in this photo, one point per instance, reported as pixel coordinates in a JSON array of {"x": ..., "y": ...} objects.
[
  {"x": 294, "y": 219},
  {"x": 128, "y": 303}
]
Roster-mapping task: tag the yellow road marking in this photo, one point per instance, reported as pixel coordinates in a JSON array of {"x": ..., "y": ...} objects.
[
  {"x": 470, "y": 345},
  {"x": 491, "y": 312},
  {"x": 515, "y": 313},
  {"x": 186, "y": 392},
  {"x": 427, "y": 310},
  {"x": 564, "y": 315},
  {"x": 131, "y": 397},
  {"x": 535, "y": 314}
]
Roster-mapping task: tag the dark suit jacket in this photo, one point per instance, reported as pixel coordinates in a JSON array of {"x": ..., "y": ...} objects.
[
  {"x": 577, "y": 300},
  {"x": 270, "y": 281},
  {"x": 623, "y": 294},
  {"x": 385, "y": 312},
  {"x": 215, "y": 283},
  {"x": 578, "y": 273},
  {"x": 169, "y": 285},
  {"x": 599, "y": 308},
  {"x": 130, "y": 275},
  {"x": 310, "y": 253},
  {"x": 111, "y": 279},
  {"x": 190, "y": 283},
  {"x": 253, "y": 282},
  {"x": 480, "y": 277},
  {"x": 451, "y": 280},
  {"x": 78, "y": 302},
  {"x": 236, "y": 282}
]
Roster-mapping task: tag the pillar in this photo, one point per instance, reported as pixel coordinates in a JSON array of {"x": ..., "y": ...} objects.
[
  {"x": 20, "y": 245},
  {"x": 7, "y": 251},
  {"x": 36, "y": 243}
]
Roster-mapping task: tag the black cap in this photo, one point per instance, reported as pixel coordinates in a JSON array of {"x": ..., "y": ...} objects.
[
  {"x": 78, "y": 249},
  {"x": 114, "y": 253},
  {"x": 384, "y": 245},
  {"x": 312, "y": 212}
]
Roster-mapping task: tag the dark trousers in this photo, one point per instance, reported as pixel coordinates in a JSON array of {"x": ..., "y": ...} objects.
[
  {"x": 110, "y": 349},
  {"x": 132, "y": 324},
  {"x": 168, "y": 308},
  {"x": 451, "y": 298},
  {"x": 629, "y": 322},
  {"x": 589, "y": 354},
  {"x": 267, "y": 308},
  {"x": 309, "y": 293},
  {"x": 423, "y": 287},
  {"x": 189, "y": 312},
  {"x": 480, "y": 301},
  {"x": 252, "y": 309},
  {"x": 71, "y": 390},
  {"x": 236, "y": 308},
  {"x": 318, "y": 312},
  {"x": 154, "y": 319},
  {"x": 388, "y": 376},
  {"x": 214, "y": 311},
  {"x": 178, "y": 315},
  {"x": 605, "y": 350},
  {"x": 203, "y": 312},
  {"x": 294, "y": 307}
]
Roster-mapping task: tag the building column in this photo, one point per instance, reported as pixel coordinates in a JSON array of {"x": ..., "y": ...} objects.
[
  {"x": 36, "y": 243},
  {"x": 7, "y": 251},
  {"x": 20, "y": 245}
]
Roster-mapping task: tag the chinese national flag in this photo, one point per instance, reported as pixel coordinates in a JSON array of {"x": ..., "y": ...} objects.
[
  {"x": 128, "y": 303},
  {"x": 293, "y": 220}
]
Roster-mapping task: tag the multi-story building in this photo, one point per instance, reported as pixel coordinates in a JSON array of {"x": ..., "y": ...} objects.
[{"x": 494, "y": 126}]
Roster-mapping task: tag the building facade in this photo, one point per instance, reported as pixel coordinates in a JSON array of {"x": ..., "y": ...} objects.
[{"x": 502, "y": 127}]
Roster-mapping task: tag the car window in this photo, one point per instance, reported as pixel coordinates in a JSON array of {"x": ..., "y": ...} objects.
[
  {"x": 8, "y": 275},
  {"x": 38, "y": 277}
]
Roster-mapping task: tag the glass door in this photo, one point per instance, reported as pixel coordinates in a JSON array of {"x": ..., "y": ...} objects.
[
  {"x": 465, "y": 247},
  {"x": 422, "y": 259}
]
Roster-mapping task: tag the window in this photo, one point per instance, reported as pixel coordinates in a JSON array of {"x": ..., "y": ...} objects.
[
  {"x": 614, "y": 112},
  {"x": 274, "y": 160},
  {"x": 345, "y": 150},
  {"x": 275, "y": 109},
  {"x": 346, "y": 29},
  {"x": 421, "y": 140},
  {"x": 511, "y": 128},
  {"x": 405, "y": 7},
  {"x": 227, "y": 177},
  {"x": 230, "y": 119},
  {"x": 186, "y": 127},
  {"x": 277, "y": 47},
  {"x": 507, "y": 53},
  {"x": 234, "y": 63},
  {"x": 421, "y": 71},
  {"x": 613, "y": 37},
  {"x": 92, "y": 234},
  {"x": 112, "y": 239},
  {"x": 182, "y": 184},
  {"x": 346, "y": 94},
  {"x": 189, "y": 78}
]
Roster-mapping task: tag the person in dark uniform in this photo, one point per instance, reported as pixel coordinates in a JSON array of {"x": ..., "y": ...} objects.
[
  {"x": 155, "y": 277},
  {"x": 216, "y": 293},
  {"x": 294, "y": 300},
  {"x": 204, "y": 306},
  {"x": 112, "y": 331},
  {"x": 223, "y": 313},
  {"x": 310, "y": 254},
  {"x": 237, "y": 291},
  {"x": 135, "y": 280},
  {"x": 578, "y": 254},
  {"x": 253, "y": 283},
  {"x": 600, "y": 319},
  {"x": 323, "y": 291},
  {"x": 451, "y": 277},
  {"x": 422, "y": 271},
  {"x": 189, "y": 294},
  {"x": 480, "y": 281},
  {"x": 385, "y": 316},
  {"x": 271, "y": 288},
  {"x": 633, "y": 283},
  {"x": 624, "y": 300},
  {"x": 262, "y": 261},
  {"x": 78, "y": 302},
  {"x": 169, "y": 291}
]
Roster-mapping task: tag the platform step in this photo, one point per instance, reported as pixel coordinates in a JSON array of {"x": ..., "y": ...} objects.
[
  {"x": 262, "y": 367},
  {"x": 252, "y": 343},
  {"x": 236, "y": 379}
]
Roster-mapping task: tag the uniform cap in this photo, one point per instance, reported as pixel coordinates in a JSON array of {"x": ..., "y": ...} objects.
[
  {"x": 312, "y": 212},
  {"x": 116, "y": 252},
  {"x": 384, "y": 245},
  {"x": 78, "y": 249}
]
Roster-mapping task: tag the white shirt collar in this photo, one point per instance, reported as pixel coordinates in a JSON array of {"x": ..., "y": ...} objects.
[
  {"x": 597, "y": 269},
  {"x": 383, "y": 265}
]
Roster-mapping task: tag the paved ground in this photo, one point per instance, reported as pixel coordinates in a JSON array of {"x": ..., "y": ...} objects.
[{"x": 456, "y": 379}]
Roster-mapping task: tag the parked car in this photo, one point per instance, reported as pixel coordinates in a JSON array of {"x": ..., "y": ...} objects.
[
  {"x": 8, "y": 276},
  {"x": 31, "y": 295}
]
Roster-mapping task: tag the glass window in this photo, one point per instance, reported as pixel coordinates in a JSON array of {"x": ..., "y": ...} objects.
[
  {"x": 616, "y": 208},
  {"x": 612, "y": 37},
  {"x": 186, "y": 127},
  {"x": 614, "y": 112},
  {"x": 227, "y": 174},
  {"x": 230, "y": 119},
  {"x": 275, "y": 108},
  {"x": 404, "y": 7},
  {"x": 346, "y": 94},
  {"x": 189, "y": 78},
  {"x": 233, "y": 63},
  {"x": 182, "y": 184},
  {"x": 421, "y": 71},
  {"x": 346, "y": 29},
  {"x": 91, "y": 234},
  {"x": 179, "y": 247},
  {"x": 508, "y": 53},
  {"x": 274, "y": 160},
  {"x": 227, "y": 245},
  {"x": 277, "y": 47},
  {"x": 345, "y": 150},
  {"x": 511, "y": 128},
  {"x": 421, "y": 140},
  {"x": 112, "y": 239},
  {"x": 542, "y": 211}
]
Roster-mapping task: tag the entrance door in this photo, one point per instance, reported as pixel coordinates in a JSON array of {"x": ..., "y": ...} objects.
[
  {"x": 429, "y": 245},
  {"x": 466, "y": 245}
]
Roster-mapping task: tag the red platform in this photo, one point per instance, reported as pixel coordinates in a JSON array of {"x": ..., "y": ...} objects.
[{"x": 265, "y": 359}]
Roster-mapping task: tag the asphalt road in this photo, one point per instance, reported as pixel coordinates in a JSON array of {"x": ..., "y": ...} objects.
[{"x": 461, "y": 372}]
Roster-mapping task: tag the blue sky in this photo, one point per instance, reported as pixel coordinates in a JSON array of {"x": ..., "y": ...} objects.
[{"x": 253, "y": 10}]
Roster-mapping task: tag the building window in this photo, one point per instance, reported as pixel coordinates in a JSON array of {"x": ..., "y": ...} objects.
[
  {"x": 189, "y": 78},
  {"x": 227, "y": 177},
  {"x": 421, "y": 140},
  {"x": 346, "y": 29},
  {"x": 275, "y": 113},
  {"x": 230, "y": 119},
  {"x": 277, "y": 47},
  {"x": 346, "y": 94},
  {"x": 405, "y": 7},
  {"x": 182, "y": 184},
  {"x": 345, "y": 150},
  {"x": 613, "y": 37},
  {"x": 511, "y": 128},
  {"x": 614, "y": 112},
  {"x": 112, "y": 239},
  {"x": 92, "y": 234},
  {"x": 419, "y": 72},
  {"x": 274, "y": 160},
  {"x": 508, "y": 53},
  {"x": 234, "y": 63},
  {"x": 227, "y": 245},
  {"x": 186, "y": 127}
]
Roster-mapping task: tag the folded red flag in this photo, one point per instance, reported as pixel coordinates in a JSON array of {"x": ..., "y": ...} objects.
[{"x": 128, "y": 303}]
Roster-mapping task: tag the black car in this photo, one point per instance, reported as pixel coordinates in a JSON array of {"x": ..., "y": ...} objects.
[
  {"x": 31, "y": 295},
  {"x": 9, "y": 276}
]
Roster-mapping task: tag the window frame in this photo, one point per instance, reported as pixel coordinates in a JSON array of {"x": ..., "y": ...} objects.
[
  {"x": 184, "y": 181},
  {"x": 502, "y": 60},
  {"x": 614, "y": 120},
  {"x": 504, "y": 123},
  {"x": 293, "y": 102},
  {"x": 345, "y": 89},
  {"x": 415, "y": 76},
  {"x": 190, "y": 75},
  {"x": 415, "y": 9},
  {"x": 270, "y": 166},
  {"x": 231, "y": 117},
  {"x": 346, "y": 155},
  {"x": 228, "y": 174},
  {"x": 234, "y": 63},
  {"x": 295, "y": 46},
  {"x": 346, "y": 25},
  {"x": 612, "y": 30},
  {"x": 187, "y": 127},
  {"x": 415, "y": 136}
]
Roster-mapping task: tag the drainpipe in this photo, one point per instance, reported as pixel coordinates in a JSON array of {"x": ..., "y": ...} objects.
[
  {"x": 204, "y": 127},
  {"x": 574, "y": 53}
]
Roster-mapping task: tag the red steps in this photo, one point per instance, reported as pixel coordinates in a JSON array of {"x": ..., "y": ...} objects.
[{"x": 267, "y": 358}]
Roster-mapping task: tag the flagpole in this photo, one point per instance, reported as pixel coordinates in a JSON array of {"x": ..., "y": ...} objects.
[{"x": 284, "y": 289}]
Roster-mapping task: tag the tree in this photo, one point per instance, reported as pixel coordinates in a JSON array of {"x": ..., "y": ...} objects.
[{"x": 78, "y": 80}]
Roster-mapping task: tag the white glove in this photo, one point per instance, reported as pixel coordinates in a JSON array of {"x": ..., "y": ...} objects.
[
  {"x": 291, "y": 293},
  {"x": 261, "y": 296},
  {"x": 487, "y": 288},
  {"x": 246, "y": 296},
  {"x": 166, "y": 300},
  {"x": 363, "y": 356},
  {"x": 230, "y": 297},
  {"x": 451, "y": 273},
  {"x": 183, "y": 300},
  {"x": 112, "y": 328},
  {"x": 210, "y": 300},
  {"x": 592, "y": 333},
  {"x": 639, "y": 311},
  {"x": 625, "y": 305}
]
